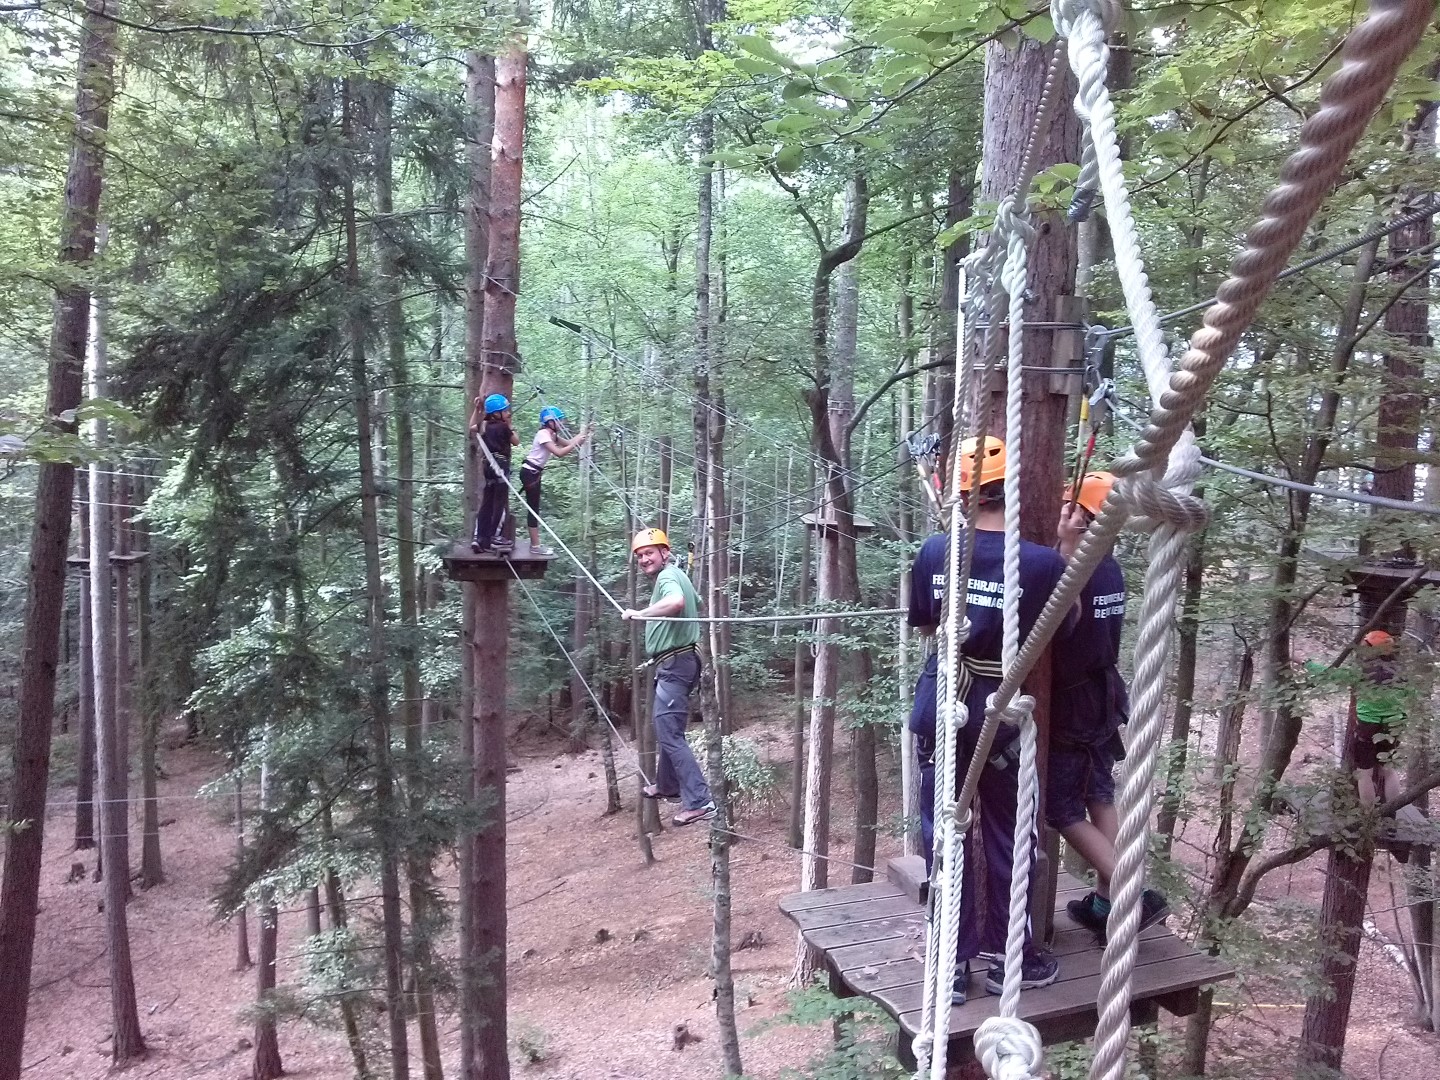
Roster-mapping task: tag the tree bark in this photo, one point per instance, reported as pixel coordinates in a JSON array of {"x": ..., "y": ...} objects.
[
  {"x": 266, "y": 1064},
  {"x": 152, "y": 869},
  {"x": 378, "y": 690},
  {"x": 242, "y": 930},
  {"x": 85, "y": 751},
  {"x": 480, "y": 101},
  {"x": 127, "y": 1043},
  {"x": 50, "y": 534},
  {"x": 797, "y": 730},
  {"x": 499, "y": 359}
]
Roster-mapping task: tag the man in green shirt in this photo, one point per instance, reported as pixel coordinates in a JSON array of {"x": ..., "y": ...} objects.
[{"x": 670, "y": 647}]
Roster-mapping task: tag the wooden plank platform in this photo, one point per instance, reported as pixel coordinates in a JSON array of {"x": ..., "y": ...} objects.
[
  {"x": 1314, "y": 816},
  {"x": 873, "y": 938},
  {"x": 462, "y": 564}
]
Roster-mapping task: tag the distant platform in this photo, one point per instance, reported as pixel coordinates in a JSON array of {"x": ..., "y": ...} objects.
[
  {"x": 862, "y": 523},
  {"x": 462, "y": 564},
  {"x": 1391, "y": 574},
  {"x": 1314, "y": 816},
  {"x": 117, "y": 558},
  {"x": 873, "y": 938}
]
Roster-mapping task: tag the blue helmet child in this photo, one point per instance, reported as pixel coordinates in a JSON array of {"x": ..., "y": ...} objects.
[
  {"x": 550, "y": 412},
  {"x": 496, "y": 403}
]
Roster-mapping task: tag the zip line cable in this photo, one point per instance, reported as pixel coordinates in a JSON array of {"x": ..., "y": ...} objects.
[
  {"x": 705, "y": 619},
  {"x": 1429, "y": 210},
  {"x": 580, "y": 675}
]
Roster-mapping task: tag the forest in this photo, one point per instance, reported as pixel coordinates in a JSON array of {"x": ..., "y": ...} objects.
[{"x": 322, "y": 779}]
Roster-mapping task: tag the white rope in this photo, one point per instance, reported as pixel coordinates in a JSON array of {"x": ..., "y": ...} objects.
[{"x": 1019, "y": 232}]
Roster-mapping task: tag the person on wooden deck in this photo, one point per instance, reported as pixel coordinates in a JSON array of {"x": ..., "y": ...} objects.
[
  {"x": 550, "y": 441},
  {"x": 490, "y": 423},
  {"x": 1088, "y": 704},
  {"x": 982, "y": 473},
  {"x": 671, "y": 649}
]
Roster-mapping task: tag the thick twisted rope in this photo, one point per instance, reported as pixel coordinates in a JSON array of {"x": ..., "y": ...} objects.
[
  {"x": 1369, "y": 61},
  {"x": 1019, "y": 233}
]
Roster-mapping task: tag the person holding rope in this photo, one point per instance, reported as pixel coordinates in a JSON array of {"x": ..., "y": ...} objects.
[
  {"x": 1088, "y": 704},
  {"x": 671, "y": 648},
  {"x": 490, "y": 423},
  {"x": 549, "y": 441},
  {"x": 982, "y": 478}
]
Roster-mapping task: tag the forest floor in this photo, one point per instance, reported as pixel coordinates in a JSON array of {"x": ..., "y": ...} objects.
[{"x": 582, "y": 1006}]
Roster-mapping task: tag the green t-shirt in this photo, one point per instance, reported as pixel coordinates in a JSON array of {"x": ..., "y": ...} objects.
[
  {"x": 1378, "y": 699},
  {"x": 663, "y": 636}
]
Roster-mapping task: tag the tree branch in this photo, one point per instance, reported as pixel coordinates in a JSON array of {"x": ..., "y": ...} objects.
[{"x": 879, "y": 391}]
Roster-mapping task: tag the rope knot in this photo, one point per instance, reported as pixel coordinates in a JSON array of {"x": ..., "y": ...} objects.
[
  {"x": 1066, "y": 14},
  {"x": 961, "y": 819},
  {"x": 1163, "y": 502},
  {"x": 1018, "y": 712},
  {"x": 1009, "y": 1049}
]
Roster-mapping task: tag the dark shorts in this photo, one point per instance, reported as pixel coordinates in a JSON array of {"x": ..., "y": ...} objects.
[
  {"x": 1369, "y": 743},
  {"x": 530, "y": 487},
  {"x": 1078, "y": 775}
]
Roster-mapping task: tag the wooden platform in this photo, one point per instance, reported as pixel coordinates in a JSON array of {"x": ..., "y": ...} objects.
[
  {"x": 462, "y": 564},
  {"x": 873, "y": 937},
  {"x": 1314, "y": 816}
]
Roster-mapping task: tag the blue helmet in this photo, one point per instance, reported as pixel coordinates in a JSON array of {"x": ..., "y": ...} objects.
[
  {"x": 496, "y": 403},
  {"x": 550, "y": 412}
]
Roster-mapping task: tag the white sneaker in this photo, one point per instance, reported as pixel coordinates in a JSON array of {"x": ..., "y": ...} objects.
[{"x": 541, "y": 549}]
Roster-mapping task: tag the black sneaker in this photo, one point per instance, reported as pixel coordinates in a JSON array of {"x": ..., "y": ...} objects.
[
  {"x": 1038, "y": 968},
  {"x": 476, "y": 547},
  {"x": 1153, "y": 909},
  {"x": 961, "y": 986},
  {"x": 1083, "y": 912}
]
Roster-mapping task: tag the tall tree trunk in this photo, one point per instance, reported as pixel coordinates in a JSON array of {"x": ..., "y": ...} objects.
[
  {"x": 50, "y": 533},
  {"x": 85, "y": 751},
  {"x": 386, "y": 812},
  {"x": 418, "y": 868},
  {"x": 802, "y": 650},
  {"x": 480, "y": 103},
  {"x": 265, "y": 1063},
  {"x": 242, "y": 918},
  {"x": 499, "y": 359},
  {"x": 339, "y": 920},
  {"x": 127, "y": 1043},
  {"x": 152, "y": 869},
  {"x": 720, "y": 837},
  {"x": 124, "y": 667}
]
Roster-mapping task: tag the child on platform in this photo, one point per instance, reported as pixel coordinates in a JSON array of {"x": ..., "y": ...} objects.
[{"x": 490, "y": 423}]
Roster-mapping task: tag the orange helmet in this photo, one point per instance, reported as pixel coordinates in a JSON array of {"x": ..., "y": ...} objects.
[
  {"x": 991, "y": 462},
  {"x": 649, "y": 538},
  {"x": 1093, "y": 490},
  {"x": 1377, "y": 639}
]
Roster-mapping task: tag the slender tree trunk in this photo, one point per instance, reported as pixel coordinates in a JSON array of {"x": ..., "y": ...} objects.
[
  {"x": 85, "y": 752},
  {"x": 152, "y": 870},
  {"x": 50, "y": 535},
  {"x": 480, "y": 102},
  {"x": 124, "y": 668},
  {"x": 719, "y": 788},
  {"x": 386, "y": 810},
  {"x": 242, "y": 931},
  {"x": 265, "y": 1064},
  {"x": 127, "y": 1043},
  {"x": 339, "y": 920},
  {"x": 797, "y": 728}
]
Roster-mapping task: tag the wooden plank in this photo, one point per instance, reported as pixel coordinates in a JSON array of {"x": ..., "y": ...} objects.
[
  {"x": 896, "y": 926},
  {"x": 843, "y": 894},
  {"x": 1158, "y": 977},
  {"x": 907, "y": 874},
  {"x": 462, "y": 564},
  {"x": 859, "y": 911}
]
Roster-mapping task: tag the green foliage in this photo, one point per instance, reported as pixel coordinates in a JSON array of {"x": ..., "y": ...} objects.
[
  {"x": 862, "y": 1048},
  {"x": 754, "y": 782}
]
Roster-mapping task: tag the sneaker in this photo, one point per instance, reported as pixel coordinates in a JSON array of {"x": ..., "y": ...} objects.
[
  {"x": 477, "y": 548},
  {"x": 1039, "y": 968},
  {"x": 501, "y": 546},
  {"x": 1153, "y": 909},
  {"x": 541, "y": 549},
  {"x": 961, "y": 986}
]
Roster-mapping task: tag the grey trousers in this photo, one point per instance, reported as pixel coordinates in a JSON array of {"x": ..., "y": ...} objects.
[{"x": 676, "y": 678}]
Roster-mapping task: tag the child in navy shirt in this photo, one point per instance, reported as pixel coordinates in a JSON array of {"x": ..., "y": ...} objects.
[
  {"x": 1040, "y": 570},
  {"x": 1088, "y": 704},
  {"x": 490, "y": 422}
]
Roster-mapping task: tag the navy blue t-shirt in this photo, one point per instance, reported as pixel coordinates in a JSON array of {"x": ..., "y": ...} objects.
[
  {"x": 496, "y": 435},
  {"x": 1090, "y": 700},
  {"x": 1040, "y": 570}
]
